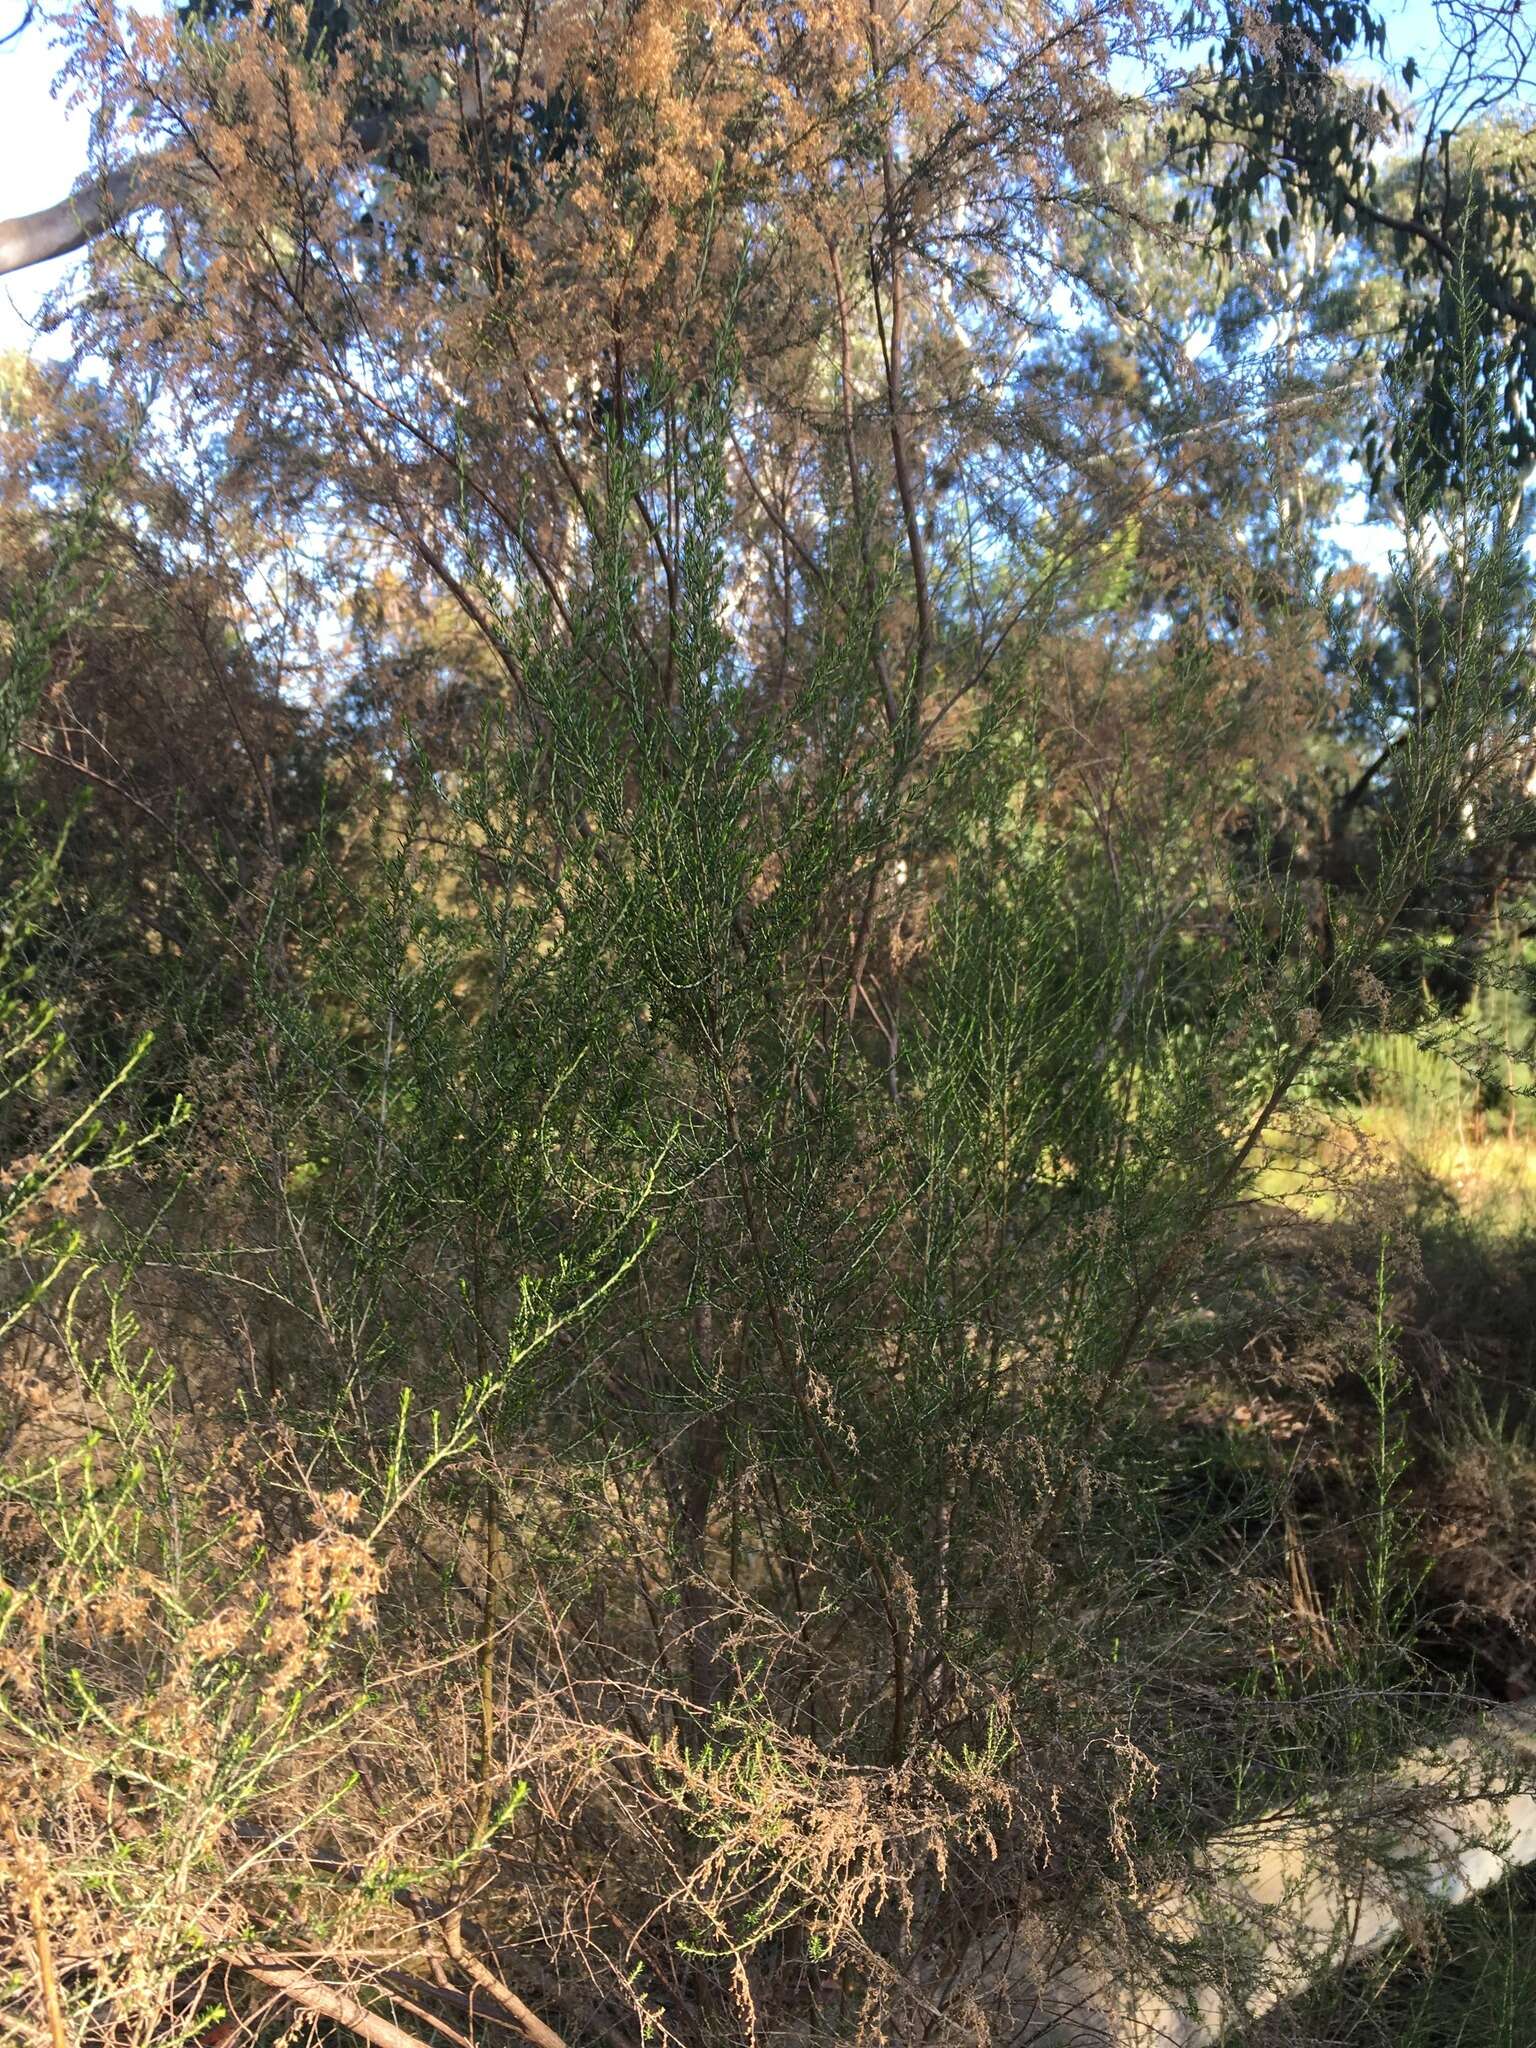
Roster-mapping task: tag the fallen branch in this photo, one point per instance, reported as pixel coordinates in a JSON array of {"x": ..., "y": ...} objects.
[
  {"x": 477, "y": 1972},
  {"x": 441, "y": 1922},
  {"x": 312, "y": 1994}
]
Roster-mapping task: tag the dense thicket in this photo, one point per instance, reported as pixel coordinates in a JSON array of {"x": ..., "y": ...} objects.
[{"x": 678, "y": 854}]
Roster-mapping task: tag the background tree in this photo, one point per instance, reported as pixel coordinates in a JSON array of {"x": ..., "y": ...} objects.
[{"x": 734, "y": 828}]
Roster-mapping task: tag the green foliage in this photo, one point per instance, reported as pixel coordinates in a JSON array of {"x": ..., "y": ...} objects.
[
  {"x": 719, "y": 1178},
  {"x": 1286, "y": 133},
  {"x": 1469, "y": 1982}
]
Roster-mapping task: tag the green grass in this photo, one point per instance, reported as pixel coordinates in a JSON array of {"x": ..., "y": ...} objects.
[
  {"x": 1470, "y": 1984},
  {"x": 1469, "y": 1981}
]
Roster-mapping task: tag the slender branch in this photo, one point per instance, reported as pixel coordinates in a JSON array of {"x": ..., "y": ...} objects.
[
  {"x": 525, "y": 2018},
  {"x": 891, "y": 339},
  {"x": 856, "y": 490}
]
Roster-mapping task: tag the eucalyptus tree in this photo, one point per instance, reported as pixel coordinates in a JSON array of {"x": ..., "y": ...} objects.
[{"x": 1428, "y": 163}]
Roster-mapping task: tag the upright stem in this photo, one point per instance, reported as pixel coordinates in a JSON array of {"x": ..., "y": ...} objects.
[
  {"x": 490, "y": 1609},
  {"x": 856, "y": 491},
  {"x": 892, "y": 336}
]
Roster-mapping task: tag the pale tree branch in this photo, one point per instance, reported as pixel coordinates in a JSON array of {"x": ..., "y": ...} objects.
[
  {"x": 98, "y": 203},
  {"x": 328, "y": 2001},
  {"x": 25, "y": 23},
  {"x": 95, "y": 205},
  {"x": 312, "y": 1995}
]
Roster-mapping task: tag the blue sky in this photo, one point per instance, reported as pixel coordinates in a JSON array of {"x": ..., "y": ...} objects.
[
  {"x": 42, "y": 153},
  {"x": 43, "y": 143},
  {"x": 43, "y": 146}
]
